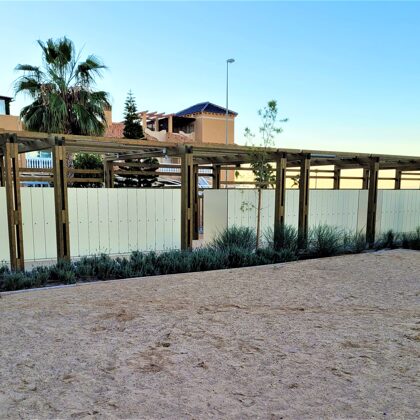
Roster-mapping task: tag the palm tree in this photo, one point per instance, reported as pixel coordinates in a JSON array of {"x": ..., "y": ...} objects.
[{"x": 62, "y": 89}]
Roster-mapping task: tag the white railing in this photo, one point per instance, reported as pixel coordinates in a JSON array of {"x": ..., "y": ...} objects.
[{"x": 39, "y": 163}]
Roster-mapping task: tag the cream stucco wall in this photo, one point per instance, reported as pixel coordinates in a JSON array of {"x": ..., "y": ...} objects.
[
  {"x": 211, "y": 128},
  {"x": 10, "y": 122}
]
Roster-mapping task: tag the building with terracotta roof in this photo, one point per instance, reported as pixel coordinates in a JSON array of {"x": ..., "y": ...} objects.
[{"x": 204, "y": 122}]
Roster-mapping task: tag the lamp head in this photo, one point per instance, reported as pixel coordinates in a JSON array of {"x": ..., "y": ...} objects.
[{"x": 230, "y": 60}]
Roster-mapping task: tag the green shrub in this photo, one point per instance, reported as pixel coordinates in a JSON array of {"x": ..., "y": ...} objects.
[
  {"x": 40, "y": 276},
  {"x": 283, "y": 237},
  {"x": 63, "y": 272},
  {"x": 324, "y": 241},
  {"x": 354, "y": 243},
  {"x": 411, "y": 240},
  {"x": 387, "y": 240},
  {"x": 235, "y": 237},
  {"x": 172, "y": 262},
  {"x": 11, "y": 281},
  {"x": 204, "y": 259},
  {"x": 273, "y": 256}
]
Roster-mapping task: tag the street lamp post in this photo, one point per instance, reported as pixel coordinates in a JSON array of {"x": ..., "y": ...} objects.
[{"x": 228, "y": 61}]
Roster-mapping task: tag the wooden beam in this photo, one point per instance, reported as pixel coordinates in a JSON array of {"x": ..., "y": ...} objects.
[
  {"x": 305, "y": 167},
  {"x": 372, "y": 201},
  {"x": 61, "y": 201},
  {"x": 14, "y": 205},
  {"x": 397, "y": 184},
  {"x": 109, "y": 174},
  {"x": 187, "y": 197},
  {"x": 280, "y": 200},
  {"x": 196, "y": 209},
  {"x": 2, "y": 173},
  {"x": 337, "y": 176},
  {"x": 216, "y": 177}
]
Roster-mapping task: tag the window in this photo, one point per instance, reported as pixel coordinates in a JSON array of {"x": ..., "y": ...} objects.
[{"x": 2, "y": 107}]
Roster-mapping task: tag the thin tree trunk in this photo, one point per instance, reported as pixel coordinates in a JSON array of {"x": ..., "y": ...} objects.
[{"x": 258, "y": 218}]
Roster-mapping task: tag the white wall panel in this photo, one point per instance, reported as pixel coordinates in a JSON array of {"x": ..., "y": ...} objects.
[
  {"x": 49, "y": 218},
  {"x": 4, "y": 230},
  {"x": 113, "y": 221},
  {"x": 334, "y": 207},
  {"x": 346, "y": 209},
  {"x": 400, "y": 210},
  {"x": 103, "y": 218}
]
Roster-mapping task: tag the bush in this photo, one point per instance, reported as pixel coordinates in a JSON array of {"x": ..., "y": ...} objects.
[
  {"x": 324, "y": 241},
  {"x": 236, "y": 237},
  {"x": 205, "y": 259},
  {"x": 387, "y": 240},
  {"x": 283, "y": 237},
  {"x": 354, "y": 243},
  {"x": 411, "y": 240},
  {"x": 16, "y": 281},
  {"x": 273, "y": 256},
  {"x": 62, "y": 272}
]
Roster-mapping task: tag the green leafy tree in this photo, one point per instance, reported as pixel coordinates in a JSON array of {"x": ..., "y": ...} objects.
[
  {"x": 87, "y": 161},
  {"x": 62, "y": 91},
  {"x": 132, "y": 126},
  {"x": 134, "y": 130},
  {"x": 261, "y": 166}
]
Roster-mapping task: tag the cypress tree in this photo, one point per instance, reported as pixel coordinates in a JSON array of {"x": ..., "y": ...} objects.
[{"x": 132, "y": 126}]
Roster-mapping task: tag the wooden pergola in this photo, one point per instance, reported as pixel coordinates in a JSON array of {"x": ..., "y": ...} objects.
[{"x": 218, "y": 157}]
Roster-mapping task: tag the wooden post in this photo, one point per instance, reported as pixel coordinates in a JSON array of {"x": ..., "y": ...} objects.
[
  {"x": 337, "y": 175},
  {"x": 280, "y": 199},
  {"x": 216, "y": 177},
  {"x": 61, "y": 200},
  {"x": 196, "y": 206},
  {"x": 187, "y": 197},
  {"x": 365, "y": 181},
  {"x": 372, "y": 201},
  {"x": 305, "y": 168},
  {"x": 109, "y": 174},
  {"x": 2, "y": 174},
  {"x": 14, "y": 206},
  {"x": 398, "y": 174},
  {"x": 157, "y": 124}
]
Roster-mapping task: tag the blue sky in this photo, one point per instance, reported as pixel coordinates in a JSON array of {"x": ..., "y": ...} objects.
[{"x": 347, "y": 75}]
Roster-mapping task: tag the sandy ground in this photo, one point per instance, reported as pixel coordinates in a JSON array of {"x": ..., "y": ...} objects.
[{"x": 337, "y": 337}]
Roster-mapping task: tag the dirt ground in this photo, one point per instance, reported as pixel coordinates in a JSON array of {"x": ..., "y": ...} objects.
[{"x": 331, "y": 338}]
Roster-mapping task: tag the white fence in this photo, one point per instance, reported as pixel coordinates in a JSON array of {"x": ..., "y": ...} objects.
[
  {"x": 114, "y": 221},
  {"x": 397, "y": 209}
]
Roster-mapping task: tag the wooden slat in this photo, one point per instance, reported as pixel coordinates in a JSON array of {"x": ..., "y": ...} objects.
[
  {"x": 303, "y": 200},
  {"x": 2, "y": 173},
  {"x": 196, "y": 214},
  {"x": 216, "y": 177},
  {"x": 61, "y": 201},
  {"x": 337, "y": 176},
  {"x": 372, "y": 201},
  {"x": 187, "y": 193},
  {"x": 280, "y": 199},
  {"x": 14, "y": 206},
  {"x": 109, "y": 174},
  {"x": 397, "y": 184}
]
